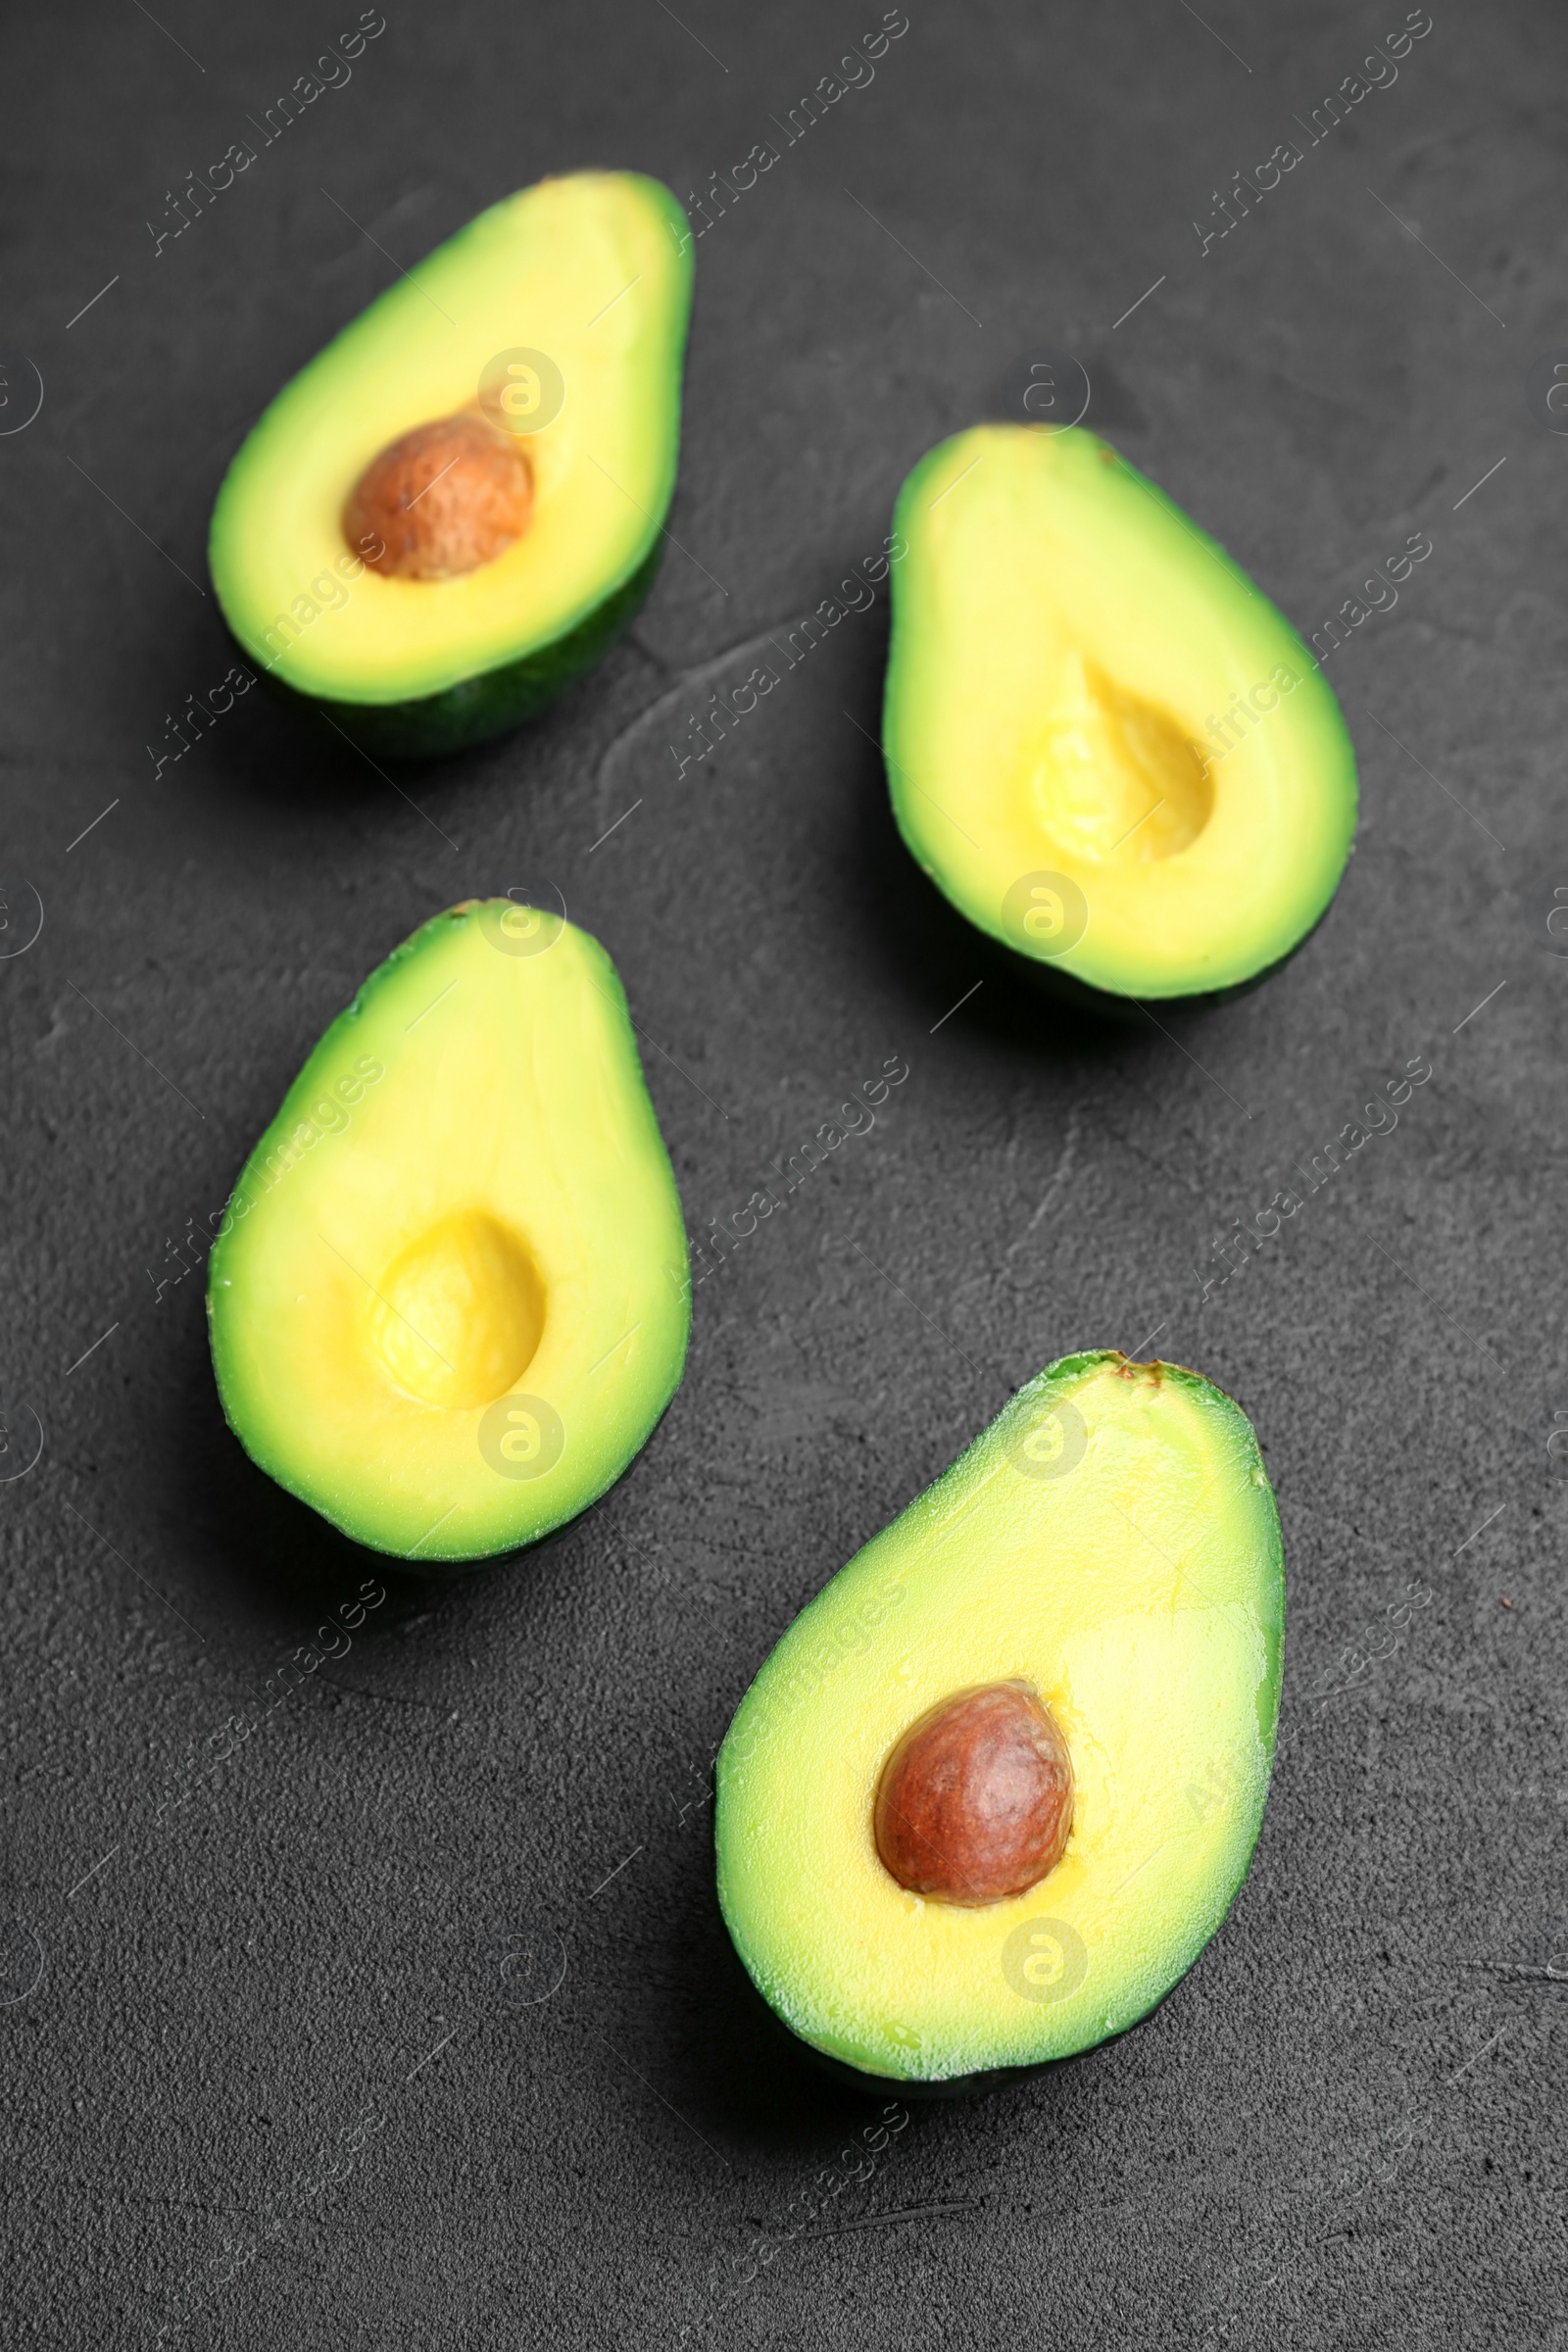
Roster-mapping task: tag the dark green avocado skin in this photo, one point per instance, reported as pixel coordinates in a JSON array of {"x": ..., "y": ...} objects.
[
  {"x": 477, "y": 708},
  {"x": 1010, "y": 965},
  {"x": 951, "y": 2087},
  {"x": 1067, "y": 989}
]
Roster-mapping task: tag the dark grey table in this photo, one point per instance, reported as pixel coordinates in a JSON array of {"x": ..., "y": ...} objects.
[{"x": 408, "y": 2020}]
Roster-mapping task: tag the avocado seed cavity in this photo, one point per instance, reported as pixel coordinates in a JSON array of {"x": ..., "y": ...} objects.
[
  {"x": 442, "y": 500},
  {"x": 1118, "y": 782},
  {"x": 975, "y": 1801},
  {"x": 456, "y": 1319}
]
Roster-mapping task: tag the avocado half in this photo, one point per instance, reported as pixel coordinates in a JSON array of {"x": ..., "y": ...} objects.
[
  {"x": 1110, "y": 1543},
  {"x": 573, "y": 299},
  {"x": 449, "y": 1297},
  {"x": 1105, "y": 746}
]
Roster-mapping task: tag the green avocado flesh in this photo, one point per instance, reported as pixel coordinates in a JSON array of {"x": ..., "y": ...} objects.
[
  {"x": 573, "y": 298},
  {"x": 1111, "y": 1541},
  {"x": 1103, "y": 744},
  {"x": 449, "y": 1297}
]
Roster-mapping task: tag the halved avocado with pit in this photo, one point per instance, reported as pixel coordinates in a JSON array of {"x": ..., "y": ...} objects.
[
  {"x": 996, "y": 1786},
  {"x": 449, "y": 1297},
  {"x": 1103, "y": 744},
  {"x": 450, "y": 511}
]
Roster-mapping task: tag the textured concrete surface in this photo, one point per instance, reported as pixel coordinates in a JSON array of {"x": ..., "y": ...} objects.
[{"x": 398, "y": 2013}]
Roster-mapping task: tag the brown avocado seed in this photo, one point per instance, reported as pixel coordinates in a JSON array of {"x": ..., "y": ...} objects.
[
  {"x": 975, "y": 1802},
  {"x": 442, "y": 500}
]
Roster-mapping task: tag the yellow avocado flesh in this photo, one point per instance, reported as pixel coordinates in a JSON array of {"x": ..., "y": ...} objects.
[
  {"x": 448, "y": 1302},
  {"x": 1112, "y": 1540},
  {"x": 1067, "y": 655},
  {"x": 593, "y": 270}
]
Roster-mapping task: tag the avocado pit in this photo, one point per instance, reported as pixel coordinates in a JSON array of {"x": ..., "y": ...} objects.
[
  {"x": 442, "y": 500},
  {"x": 974, "y": 1804}
]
